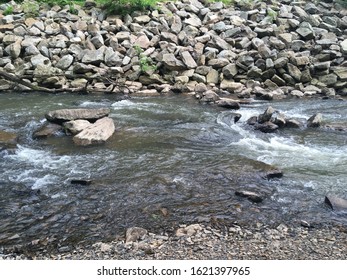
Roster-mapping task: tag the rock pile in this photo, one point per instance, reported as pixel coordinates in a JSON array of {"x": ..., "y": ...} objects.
[
  {"x": 273, "y": 50},
  {"x": 89, "y": 126}
]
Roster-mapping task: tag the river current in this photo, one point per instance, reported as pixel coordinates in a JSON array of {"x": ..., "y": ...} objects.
[{"x": 171, "y": 161}]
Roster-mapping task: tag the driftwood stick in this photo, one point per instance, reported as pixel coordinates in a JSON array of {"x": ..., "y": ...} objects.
[{"x": 19, "y": 80}]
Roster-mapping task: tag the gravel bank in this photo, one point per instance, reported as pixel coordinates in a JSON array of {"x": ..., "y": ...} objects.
[{"x": 204, "y": 242}]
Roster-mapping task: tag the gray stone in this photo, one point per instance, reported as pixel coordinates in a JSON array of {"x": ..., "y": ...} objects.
[
  {"x": 300, "y": 60},
  {"x": 31, "y": 50},
  {"x": 281, "y": 62},
  {"x": 76, "y": 126},
  {"x": 252, "y": 196},
  {"x": 315, "y": 120},
  {"x": 172, "y": 63},
  {"x": 142, "y": 19},
  {"x": 14, "y": 49},
  {"x": 209, "y": 96},
  {"x": 39, "y": 60},
  {"x": 266, "y": 127},
  {"x": 193, "y": 21},
  {"x": 93, "y": 56},
  {"x": 294, "y": 71},
  {"x": 188, "y": 60},
  {"x": 52, "y": 28},
  {"x": 212, "y": 77},
  {"x": 231, "y": 86},
  {"x": 341, "y": 72},
  {"x": 343, "y": 45},
  {"x": 266, "y": 116},
  {"x": 336, "y": 203},
  {"x": 63, "y": 115},
  {"x": 47, "y": 130},
  {"x": 218, "y": 62},
  {"x": 329, "y": 79},
  {"x": 306, "y": 31},
  {"x": 65, "y": 62},
  {"x": 96, "y": 133},
  {"x": 79, "y": 83},
  {"x": 135, "y": 234},
  {"x": 292, "y": 123},
  {"x": 230, "y": 70},
  {"x": 322, "y": 65},
  {"x": 228, "y": 103},
  {"x": 169, "y": 37}
]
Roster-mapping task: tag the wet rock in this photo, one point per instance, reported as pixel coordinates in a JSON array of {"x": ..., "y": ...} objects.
[
  {"x": 252, "y": 120},
  {"x": 252, "y": 196},
  {"x": 96, "y": 133},
  {"x": 292, "y": 123},
  {"x": 266, "y": 116},
  {"x": 75, "y": 127},
  {"x": 336, "y": 127},
  {"x": 266, "y": 127},
  {"x": 8, "y": 139},
  {"x": 63, "y": 115},
  {"x": 315, "y": 120},
  {"x": 336, "y": 203},
  {"x": 47, "y": 130},
  {"x": 274, "y": 173},
  {"x": 135, "y": 234},
  {"x": 84, "y": 182},
  {"x": 228, "y": 103}
]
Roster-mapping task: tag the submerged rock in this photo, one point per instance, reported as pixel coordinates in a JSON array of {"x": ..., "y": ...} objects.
[
  {"x": 7, "y": 139},
  {"x": 252, "y": 196},
  {"x": 63, "y": 115},
  {"x": 47, "y": 130},
  {"x": 96, "y": 133}
]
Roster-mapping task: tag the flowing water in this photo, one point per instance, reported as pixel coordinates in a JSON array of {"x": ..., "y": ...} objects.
[{"x": 171, "y": 161}]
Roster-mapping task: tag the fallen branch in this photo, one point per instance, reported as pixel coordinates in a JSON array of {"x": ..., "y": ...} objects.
[{"x": 84, "y": 90}]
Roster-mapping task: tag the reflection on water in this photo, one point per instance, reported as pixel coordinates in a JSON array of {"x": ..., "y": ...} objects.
[{"x": 167, "y": 153}]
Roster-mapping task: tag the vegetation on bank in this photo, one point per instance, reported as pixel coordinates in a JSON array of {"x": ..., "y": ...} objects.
[{"x": 31, "y": 7}]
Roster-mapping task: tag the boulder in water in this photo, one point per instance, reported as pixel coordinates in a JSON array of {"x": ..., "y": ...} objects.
[
  {"x": 7, "y": 139},
  {"x": 267, "y": 127},
  {"x": 64, "y": 115},
  {"x": 75, "y": 127},
  {"x": 228, "y": 103},
  {"x": 252, "y": 196},
  {"x": 96, "y": 133},
  {"x": 336, "y": 203},
  {"x": 47, "y": 130},
  {"x": 315, "y": 120}
]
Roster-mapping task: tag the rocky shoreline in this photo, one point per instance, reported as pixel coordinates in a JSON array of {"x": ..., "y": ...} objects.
[
  {"x": 202, "y": 242},
  {"x": 268, "y": 50}
]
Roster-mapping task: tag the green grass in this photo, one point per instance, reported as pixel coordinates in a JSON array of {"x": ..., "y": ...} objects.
[
  {"x": 128, "y": 6},
  {"x": 8, "y": 11}
]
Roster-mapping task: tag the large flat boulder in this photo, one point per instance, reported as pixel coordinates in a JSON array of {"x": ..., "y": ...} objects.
[
  {"x": 64, "y": 115},
  {"x": 96, "y": 133}
]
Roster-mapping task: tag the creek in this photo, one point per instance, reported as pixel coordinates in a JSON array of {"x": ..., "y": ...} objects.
[{"x": 171, "y": 161}]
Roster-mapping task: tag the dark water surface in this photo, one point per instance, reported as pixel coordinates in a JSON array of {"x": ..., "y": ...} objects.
[{"x": 171, "y": 161}]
